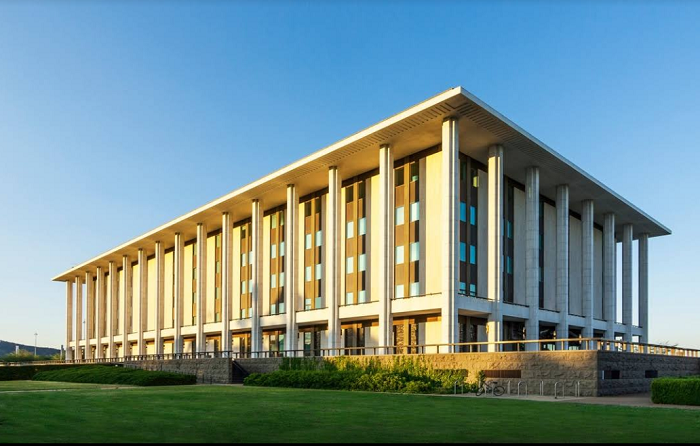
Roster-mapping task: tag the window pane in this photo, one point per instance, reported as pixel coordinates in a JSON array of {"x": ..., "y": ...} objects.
[
  {"x": 415, "y": 252},
  {"x": 398, "y": 177},
  {"x": 399, "y": 292},
  {"x": 350, "y": 229},
  {"x": 415, "y": 211},
  {"x": 273, "y": 281},
  {"x": 244, "y": 287},
  {"x": 319, "y": 238},
  {"x": 399, "y": 215},
  {"x": 273, "y": 221},
  {"x": 281, "y": 307},
  {"x": 307, "y": 274},
  {"x": 307, "y": 241},
  {"x": 273, "y": 251},
  {"x": 362, "y": 296},
  {"x": 361, "y": 226},
  {"x": 244, "y": 259},
  {"x": 349, "y": 265},
  {"x": 318, "y": 271},
  {"x": 281, "y": 249},
  {"x": 281, "y": 279},
  {"x": 472, "y": 254},
  {"x": 399, "y": 255},
  {"x": 362, "y": 262},
  {"x": 472, "y": 289},
  {"x": 273, "y": 309},
  {"x": 462, "y": 252},
  {"x": 472, "y": 215},
  {"x": 349, "y": 299},
  {"x": 415, "y": 289},
  {"x": 463, "y": 212},
  {"x": 318, "y": 302},
  {"x": 414, "y": 171},
  {"x": 462, "y": 287}
]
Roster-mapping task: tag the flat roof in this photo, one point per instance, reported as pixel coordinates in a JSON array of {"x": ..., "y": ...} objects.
[{"x": 413, "y": 129}]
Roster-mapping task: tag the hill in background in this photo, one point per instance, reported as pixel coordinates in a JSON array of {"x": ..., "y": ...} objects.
[{"x": 9, "y": 347}]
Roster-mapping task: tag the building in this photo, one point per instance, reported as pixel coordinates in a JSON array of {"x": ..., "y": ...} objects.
[{"x": 445, "y": 223}]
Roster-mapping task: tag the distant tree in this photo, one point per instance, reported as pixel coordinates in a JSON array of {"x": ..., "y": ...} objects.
[{"x": 24, "y": 356}]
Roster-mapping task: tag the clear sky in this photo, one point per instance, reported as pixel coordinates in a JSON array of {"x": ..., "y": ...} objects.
[{"x": 116, "y": 117}]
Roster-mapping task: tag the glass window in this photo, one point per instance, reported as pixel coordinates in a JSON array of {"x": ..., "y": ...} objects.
[
  {"x": 307, "y": 274},
  {"x": 362, "y": 226},
  {"x": 250, "y": 286},
  {"x": 273, "y": 221},
  {"x": 281, "y": 279},
  {"x": 318, "y": 271},
  {"x": 414, "y": 171},
  {"x": 415, "y": 289},
  {"x": 244, "y": 287},
  {"x": 281, "y": 307},
  {"x": 472, "y": 254},
  {"x": 273, "y": 281},
  {"x": 415, "y": 211},
  {"x": 349, "y": 265},
  {"x": 273, "y": 309},
  {"x": 244, "y": 259},
  {"x": 509, "y": 265},
  {"x": 399, "y": 255},
  {"x": 509, "y": 227},
  {"x": 349, "y": 299},
  {"x": 399, "y": 292},
  {"x": 319, "y": 238},
  {"x": 362, "y": 296},
  {"x": 472, "y": 289},
  {"x": 350, "y": 229},
  {"x": 472, "y": 215},
  {"x": 273, "y": 251},
  {"x": 415, "y": 252},
  {"x": 251, "y": 259},
  {"x": 462, "y": 287},
  {"x": 349, "y": 194},
  {"x": 281, "y": 248},
  {"x": 463, "y": 212},
  {"x": 318, "y": 302},
  {"x": 362, "y": 262},
  {"x": 307, "y": 241},
  {"x": 307, "y": 304},
  {"x": 475, "y": 178},
  {"x": 399, "y": 216},
  {"x": 398, "y": 177},
  {"x": 462, "y": 252}
]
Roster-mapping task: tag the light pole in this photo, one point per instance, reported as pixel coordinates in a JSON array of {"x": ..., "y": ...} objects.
[{"x": 35, "y": 335}]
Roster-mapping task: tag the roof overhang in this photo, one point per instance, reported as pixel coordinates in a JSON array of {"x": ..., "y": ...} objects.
[{"x": 414, "y": 129}]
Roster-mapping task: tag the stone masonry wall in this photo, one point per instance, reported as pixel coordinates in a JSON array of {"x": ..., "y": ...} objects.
[
  {"x": 632, "y": 368},
  {"x": 565, "y": 367},
  {"x": 207, "y": 371}
]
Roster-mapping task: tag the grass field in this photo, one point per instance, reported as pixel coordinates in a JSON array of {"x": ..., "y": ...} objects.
[
  {"x": 238, "y": 414},
  {"x": 18, "y": 386}
]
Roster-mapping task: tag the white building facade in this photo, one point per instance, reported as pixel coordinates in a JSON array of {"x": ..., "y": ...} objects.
[{"x": 441, "y": 225}]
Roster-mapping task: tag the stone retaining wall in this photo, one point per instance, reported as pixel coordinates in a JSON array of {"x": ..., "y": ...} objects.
[
  {"x": 207, "y": 371},
  {"x": 568, "y": 368}
]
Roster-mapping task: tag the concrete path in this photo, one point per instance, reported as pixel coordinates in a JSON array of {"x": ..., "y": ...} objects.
[{"x": 634, "y": 400}]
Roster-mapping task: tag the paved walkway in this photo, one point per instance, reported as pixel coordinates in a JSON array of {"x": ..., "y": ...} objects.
[{"x": 634, "y": 400}]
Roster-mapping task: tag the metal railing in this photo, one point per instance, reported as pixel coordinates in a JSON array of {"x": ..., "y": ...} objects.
[{"x": 586, "y": 344}]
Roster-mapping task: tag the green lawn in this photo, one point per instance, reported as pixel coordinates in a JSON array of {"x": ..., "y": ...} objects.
[{"x": 237, "y": 414}]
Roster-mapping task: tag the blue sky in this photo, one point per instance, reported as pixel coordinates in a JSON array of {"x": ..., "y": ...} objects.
[{"x": 116, "y": 117}]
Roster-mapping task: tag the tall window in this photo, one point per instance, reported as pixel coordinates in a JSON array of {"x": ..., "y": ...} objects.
[
  {"x": 407, "y": 229},
  {"x": 193, "y": 291},
  {"x": 246, "y": 255},
  {"x": 468, "y": 224},
  {"x": 313, "y": 252},
  {"x": 355, "y": 242},
  {"x": 508, "y": 240},
  {"x": 277, "y": 261},
  {"x": 217, "y": 278}
]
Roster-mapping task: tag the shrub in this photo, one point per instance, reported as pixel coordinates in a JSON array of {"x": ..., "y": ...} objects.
[
  {"x": 685, "y": 391},
  {"x": 115, "y": 375},
  {"x": 401, "y": 374},
  {"x": 27, "y": 372},
  {"x": 24, "y": 356}
]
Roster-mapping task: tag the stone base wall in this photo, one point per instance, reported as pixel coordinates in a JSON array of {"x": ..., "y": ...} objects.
[
  {"x": 633, "y": 369},
  {"x": 569, "y": 368},
  {"x": 207, "y": 371}
]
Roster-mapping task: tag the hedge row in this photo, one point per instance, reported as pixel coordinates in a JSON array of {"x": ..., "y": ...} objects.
[
  {"x": 116, "y": 375},
  {"x": 402, "y": 375},
  {"x": 27, "y": 372},
  {"x": 684, "y": 391}
]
